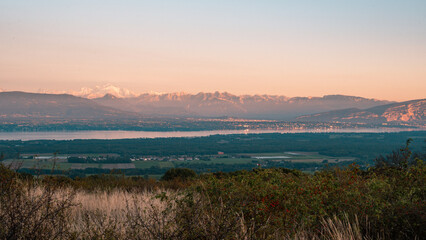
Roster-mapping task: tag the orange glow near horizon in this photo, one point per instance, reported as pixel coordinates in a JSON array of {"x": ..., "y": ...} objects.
[{"x": 287, "y": 49}]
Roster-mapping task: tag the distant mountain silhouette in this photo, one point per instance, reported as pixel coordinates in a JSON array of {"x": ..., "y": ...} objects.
[
  {"x": 409, "y": 111},
  {"x": 225, "y": 104},
  {"x": 21, "y": 104}
]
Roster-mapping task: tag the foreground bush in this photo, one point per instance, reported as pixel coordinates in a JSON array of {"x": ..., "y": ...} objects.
[
  {"x": 30, "y": 212},
  {"x": 387, "y": 202},
  {"x": 179, "y": 173}
]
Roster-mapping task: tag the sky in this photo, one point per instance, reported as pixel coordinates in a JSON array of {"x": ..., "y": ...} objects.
[{"x": 368, "y": 48}]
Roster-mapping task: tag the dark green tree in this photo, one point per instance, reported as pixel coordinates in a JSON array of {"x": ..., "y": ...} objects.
[
  {"x": 179, "y": 173},
  {"x": 399, "y": 159}
]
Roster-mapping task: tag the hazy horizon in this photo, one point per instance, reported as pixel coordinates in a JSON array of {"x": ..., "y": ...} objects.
[
  {"x": 101, "y": 91},
  {"x": 371, "y": 49}
]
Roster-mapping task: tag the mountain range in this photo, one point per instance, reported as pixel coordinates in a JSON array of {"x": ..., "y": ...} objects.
[
  {"x": 225, "y": 104},
  {"x": 211, "y": 105}
]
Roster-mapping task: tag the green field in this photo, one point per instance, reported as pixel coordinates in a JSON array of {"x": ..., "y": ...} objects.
[{"x": 234, "y": 159}]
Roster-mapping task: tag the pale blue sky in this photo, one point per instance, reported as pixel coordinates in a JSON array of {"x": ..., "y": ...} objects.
[{"x": 371, "y": 48}]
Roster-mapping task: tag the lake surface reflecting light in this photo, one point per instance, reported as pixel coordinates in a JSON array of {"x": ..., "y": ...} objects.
[{"x": 72, "y": 135}]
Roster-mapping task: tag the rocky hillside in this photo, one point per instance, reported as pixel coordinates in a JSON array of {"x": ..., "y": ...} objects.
[{"x": 410, "y": 111}]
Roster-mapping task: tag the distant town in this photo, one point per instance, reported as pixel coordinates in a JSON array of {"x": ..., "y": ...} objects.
[{"x": 185, "y": 124}]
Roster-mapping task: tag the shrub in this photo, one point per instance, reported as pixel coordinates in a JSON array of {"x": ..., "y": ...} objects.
[
  {"x": 272, "y": 202},
  {"x": 31, "y": 212},
  {"x": 179, "y": 173}
]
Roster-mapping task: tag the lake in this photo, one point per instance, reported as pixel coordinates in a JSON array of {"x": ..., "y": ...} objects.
[{"x": 71, "y": 135}]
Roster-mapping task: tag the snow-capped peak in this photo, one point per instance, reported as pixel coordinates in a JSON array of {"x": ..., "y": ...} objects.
[{"x": 100, "y": 91}]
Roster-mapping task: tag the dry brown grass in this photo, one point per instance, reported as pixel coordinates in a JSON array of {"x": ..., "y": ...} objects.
[
  {"x": 124, "y": 215},
  {"x": 146, "y": 215},
  {"x": 120, "y": 215}
]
